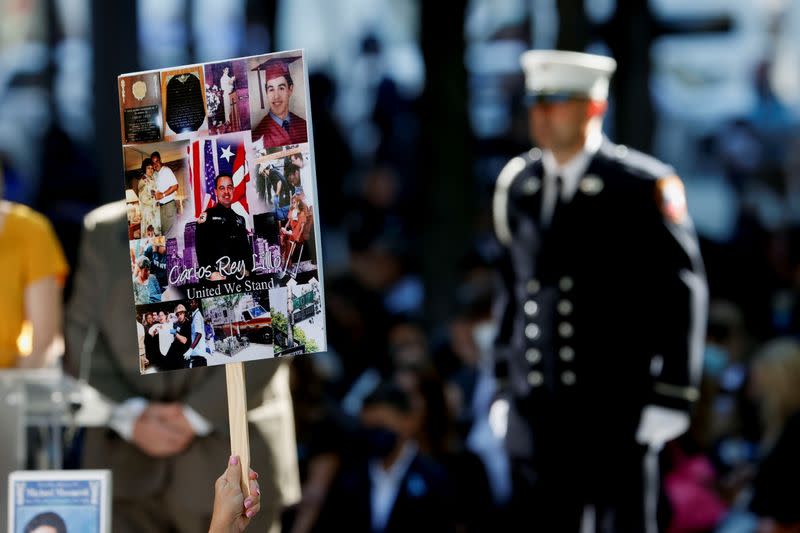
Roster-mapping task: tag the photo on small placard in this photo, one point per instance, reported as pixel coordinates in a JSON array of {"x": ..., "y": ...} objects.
[
  {"x": 149, "y": 269},
  {"x": 155, "y": 187},
  {"x": 167, "y": 333},
  {"x": 183, "y": 98},
  {"x": 60, "y": 501},
  {"x": 284, "y": 180},
  {"x": 211, "y": 331},
  {"x": 227, "y": 97},
  {"x": 278, "y": 114},
  {"x": 297, "y": 324},
  {"x": 140, "y": 107},
  {"x": 240, "y": 327}
]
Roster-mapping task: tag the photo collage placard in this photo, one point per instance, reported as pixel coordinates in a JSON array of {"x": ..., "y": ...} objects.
[{"x": 220, "y": 187}]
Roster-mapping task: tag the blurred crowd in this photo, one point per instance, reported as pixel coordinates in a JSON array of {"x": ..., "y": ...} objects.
[{"x": 407, "y": 380}]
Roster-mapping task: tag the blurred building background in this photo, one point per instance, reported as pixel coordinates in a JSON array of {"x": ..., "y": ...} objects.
[{"x": 414, "y": 115}]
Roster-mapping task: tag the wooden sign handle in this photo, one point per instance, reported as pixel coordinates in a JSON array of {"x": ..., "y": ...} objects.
[{"x": 237, "y": 419}]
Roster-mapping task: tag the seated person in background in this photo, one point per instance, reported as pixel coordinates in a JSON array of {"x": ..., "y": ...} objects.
[
  {"x": 34, "y": 269},
  {"x": 392, "y": 487}
]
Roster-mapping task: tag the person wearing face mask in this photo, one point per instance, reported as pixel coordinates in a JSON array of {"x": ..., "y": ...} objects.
[{"x": 391, "y": 488}]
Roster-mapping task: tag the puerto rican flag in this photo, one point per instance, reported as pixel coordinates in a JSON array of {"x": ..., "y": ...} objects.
[
  {"x": 231, "y": 160},
  {"x": 202, "y": 171},
  {"x": 210, "y": 157}
]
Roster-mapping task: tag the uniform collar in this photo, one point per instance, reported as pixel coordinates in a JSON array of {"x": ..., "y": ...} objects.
[{"x": 572, "y": 171}]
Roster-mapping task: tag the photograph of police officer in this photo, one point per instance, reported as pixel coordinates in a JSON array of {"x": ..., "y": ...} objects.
[{"x": 222, "y": 240}]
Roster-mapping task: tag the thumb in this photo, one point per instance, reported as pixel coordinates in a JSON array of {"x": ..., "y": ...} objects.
[{"x": 234, "y": 472}]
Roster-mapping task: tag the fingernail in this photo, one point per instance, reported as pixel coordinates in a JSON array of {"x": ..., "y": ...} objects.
[
  {"x": 258, "y": 491},
  {"x": 247, "y": 503},
  {"x": 249, "y": 514},
  {"x": 234, "y": 459}
]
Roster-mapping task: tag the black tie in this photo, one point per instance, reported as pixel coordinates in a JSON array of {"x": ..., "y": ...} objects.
[
  {"x": 286, "y": 125},
  {"x": 558, "y": 185}
]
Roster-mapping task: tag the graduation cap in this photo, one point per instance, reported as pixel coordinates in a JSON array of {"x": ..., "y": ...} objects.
[{"x": 276, "y": 67}]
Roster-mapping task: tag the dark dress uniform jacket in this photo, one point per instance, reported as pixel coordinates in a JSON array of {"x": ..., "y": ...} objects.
[
  {"x": 223, "y": 233},
  {"x": 602, "y": 312}
]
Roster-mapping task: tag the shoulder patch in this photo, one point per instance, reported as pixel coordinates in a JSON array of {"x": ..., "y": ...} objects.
[
  {"x": 202, "y": 218},
  {"x": 671, "y": 199}
]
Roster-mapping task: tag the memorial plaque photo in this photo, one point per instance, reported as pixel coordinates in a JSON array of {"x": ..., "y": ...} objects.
[
  {"x": 140, "y": 108},
  {"x": 184, "y": 102}
]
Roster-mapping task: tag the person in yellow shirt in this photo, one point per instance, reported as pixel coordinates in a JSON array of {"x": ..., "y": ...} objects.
[{"x": 34, "y": 269}]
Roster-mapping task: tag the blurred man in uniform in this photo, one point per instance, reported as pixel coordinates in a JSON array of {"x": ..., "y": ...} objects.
[
  {"x": 221, "y": 236},
  {"x": 167, "y": 430},
  {"x": 602, "y": 314}
]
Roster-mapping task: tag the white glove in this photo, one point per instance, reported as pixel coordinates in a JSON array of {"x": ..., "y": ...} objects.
[
  {"x": 659, "y": 425},
  {"x": 498, "y": 418}
]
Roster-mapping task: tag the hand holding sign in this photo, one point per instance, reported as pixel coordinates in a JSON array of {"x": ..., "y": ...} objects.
[{"x": 232, "y": 510}]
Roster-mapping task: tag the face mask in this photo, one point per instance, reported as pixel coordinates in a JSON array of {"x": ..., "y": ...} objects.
[
  {"x": 715, "y": 359},
  {"x": 380, "y": 441}
]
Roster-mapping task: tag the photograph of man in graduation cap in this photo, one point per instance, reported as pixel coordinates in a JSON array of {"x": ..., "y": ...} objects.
[{"x": 280, "y": 126}]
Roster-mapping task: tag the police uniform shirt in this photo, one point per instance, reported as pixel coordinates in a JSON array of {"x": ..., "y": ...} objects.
[{"x": 222, "y": 232}]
